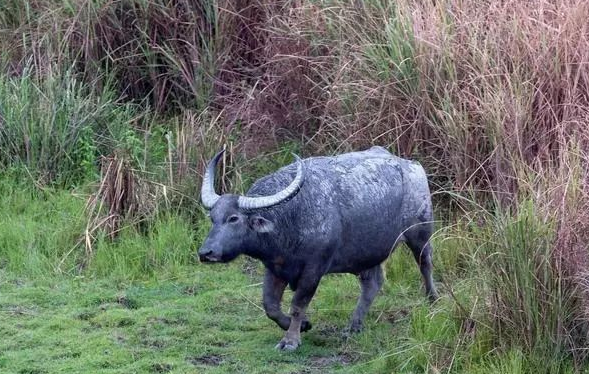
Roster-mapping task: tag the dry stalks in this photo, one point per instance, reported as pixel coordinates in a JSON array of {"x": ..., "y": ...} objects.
[{"x": 122, "y": 197}]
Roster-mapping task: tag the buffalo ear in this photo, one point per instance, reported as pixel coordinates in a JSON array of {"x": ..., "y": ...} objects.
[{"x": 261, "y": 224}]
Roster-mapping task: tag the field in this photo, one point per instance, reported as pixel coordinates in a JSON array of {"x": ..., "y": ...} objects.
[
  {"x": 109, "y": 110},
  {"x": 202, "y": 320},
  {"x": 161, "y": 311}
]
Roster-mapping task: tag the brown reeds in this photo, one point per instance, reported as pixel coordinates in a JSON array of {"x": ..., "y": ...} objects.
[{"x": 121, "y": 198}]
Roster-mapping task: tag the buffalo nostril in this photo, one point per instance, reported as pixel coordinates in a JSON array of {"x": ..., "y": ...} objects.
[{"x": 204, "y": 254}]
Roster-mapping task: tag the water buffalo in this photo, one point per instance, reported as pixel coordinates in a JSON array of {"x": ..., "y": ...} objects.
[{"x": 342, "y": 214}]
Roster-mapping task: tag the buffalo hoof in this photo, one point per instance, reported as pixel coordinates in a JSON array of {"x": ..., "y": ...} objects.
[
  {"x": 352, "y": 329},
  {"x": 288, "y": 344},
  {"x": 306, "y": 326},
  {"x": 349, "y": 332}
]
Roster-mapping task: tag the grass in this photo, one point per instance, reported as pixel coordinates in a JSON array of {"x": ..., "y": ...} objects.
[
  {"x": 143, "y": 304},
  {"x": 34, "y": 236},
  {"x": 47, "y": 237},
  {"x": 200, "y": 319},
  {"x": 57, "y": 128}
]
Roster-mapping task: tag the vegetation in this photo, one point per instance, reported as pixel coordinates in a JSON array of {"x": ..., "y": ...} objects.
[{"x": 109, "y": 108}]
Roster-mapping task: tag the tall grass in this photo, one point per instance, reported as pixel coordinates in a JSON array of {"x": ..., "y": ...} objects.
[
  {"x": 468, "y": 88},
  {"x": 37, "y": 227},
  {"x": 532, "y": 305},
  {"x": 159, "y": 52},
  {"x": 46, "y": 122},
  {"x": 491, "y": 97},
  {"x": 42, "y": 235},
  {"x": 483, "y": 93},
  {"x": 55, "y": 126}
]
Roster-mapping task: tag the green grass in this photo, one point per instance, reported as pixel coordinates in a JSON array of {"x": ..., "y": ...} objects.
[
  {"x": 36, "y": 227},
  {"x": 56, "y": 128},
  {"x": 142, "y": 304},
  {"x": 202, "y": 319},
  {"x": 42, "y": 233}
]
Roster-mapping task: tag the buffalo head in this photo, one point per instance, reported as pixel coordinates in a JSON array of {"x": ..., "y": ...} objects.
[{"x": 236, "y": 225}]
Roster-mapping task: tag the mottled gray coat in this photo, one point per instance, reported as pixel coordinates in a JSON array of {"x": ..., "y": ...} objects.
[{"x": 347, "y": 216}]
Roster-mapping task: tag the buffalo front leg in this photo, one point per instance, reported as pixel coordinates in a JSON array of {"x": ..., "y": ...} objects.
[
  {"x": 306, "y": 288},
  {"x": 272, "y": 299},
  {"x": 370, "y": 282}
]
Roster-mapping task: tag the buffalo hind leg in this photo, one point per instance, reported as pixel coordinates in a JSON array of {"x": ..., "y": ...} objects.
[
  {"x": 370, "y": 283},
  {"x": 422, "y": 251},
  {"x": 306, "y": 287},
  {"x": 272, "y": 298}
]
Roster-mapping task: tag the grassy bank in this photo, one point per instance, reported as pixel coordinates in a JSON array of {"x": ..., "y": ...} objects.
[{"x": 204, "y": 320}]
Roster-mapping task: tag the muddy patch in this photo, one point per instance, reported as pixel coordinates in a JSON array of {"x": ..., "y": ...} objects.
[
  {"x": 32, "y": 371},
  {"x": 127, "y": 302},
  {"x": 18, "y": 282},
  {"x": 191, "y": 290},
  {"x": 103, "y": 303},
  {"x": 149, "y": 341},
  {"x": 18, "y": 310},
  {"x": 119, "y": 338},
  {"x": 395, "y": 316},
  {"x": 161, "y": 368},
  {"x": 124, "y": 322},
  {"x": 328, "y": 331},
  {"x": 86, "y": 315},
  {"x": 325, "y": 336},
  {"x": 343, "y": 359},
  {"x": 118, "y": 322},
  {"x": 169, "y": 321},
  {"x": 153, "y": 343},
  {"x": 207, "y": 360}
]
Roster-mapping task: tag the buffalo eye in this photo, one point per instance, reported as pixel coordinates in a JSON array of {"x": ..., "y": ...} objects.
[{"x": 233, "y": 219}]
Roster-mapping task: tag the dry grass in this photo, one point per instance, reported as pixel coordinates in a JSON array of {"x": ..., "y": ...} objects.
[
  {"x": 155, "y": 52},
  {"x": 121, "y": 197},
  {"x": 486, "y": 93}
]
